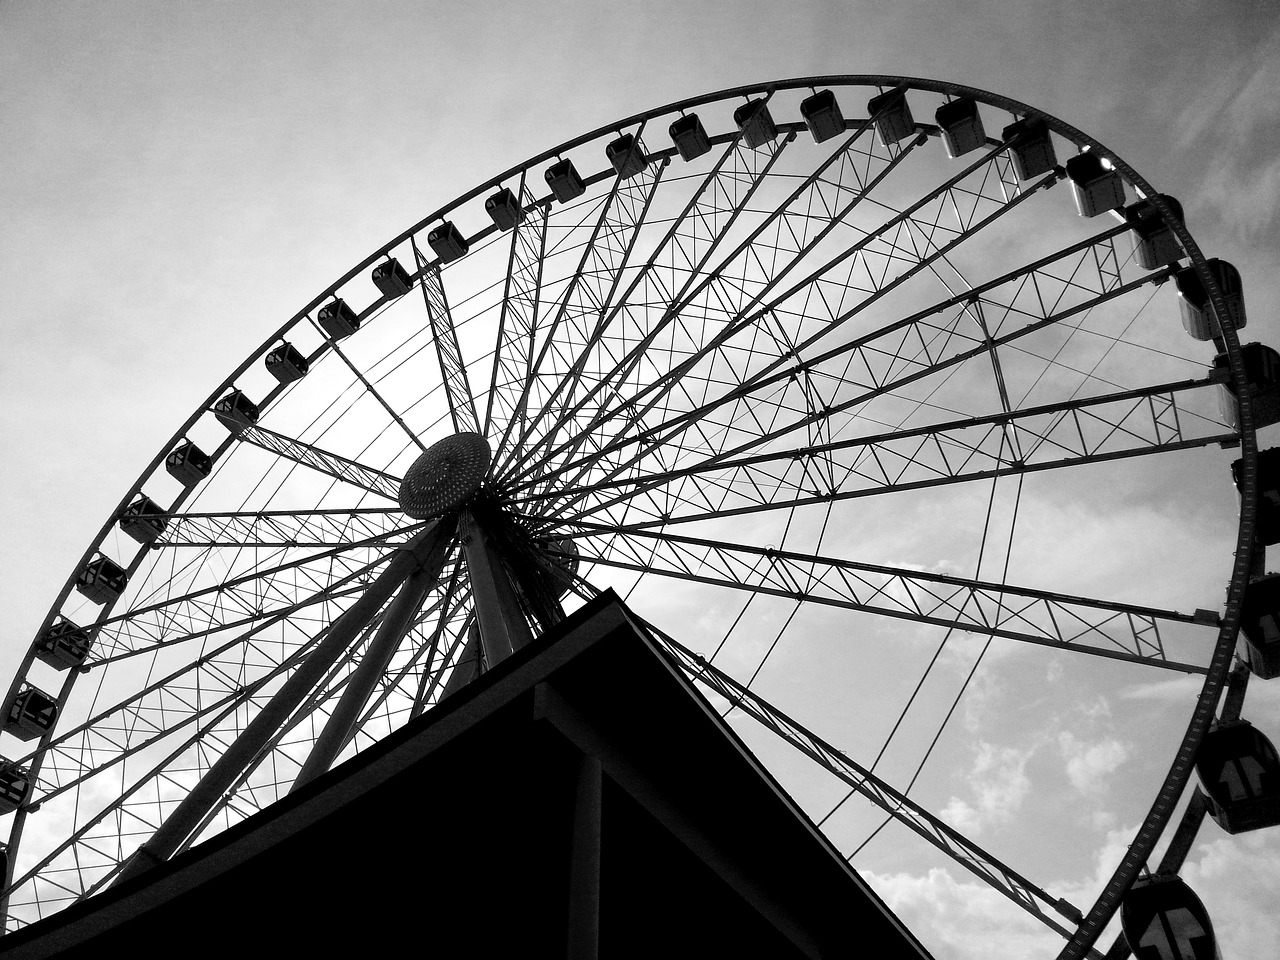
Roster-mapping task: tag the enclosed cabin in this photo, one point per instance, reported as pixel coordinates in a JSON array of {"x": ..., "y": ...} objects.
[
  {"x": 1030, "y": 147},
  {"x": 447, "y": 241},
  {"x": 1267, "y": 529},
  {"x": 286, "y": 363},
  {"x": 1259, "y": 644},
  {"x": 891, "y": 115},
  {"x": 1193, "y": 298},
  {"x": 64, "y": 646},
  {"x": 391, "y": 279},
  {"x": 1240, "y": 772},
  {"x": 504, "y": 209},
  {"x": 235, "y": 411},
  {"x": 1154, "y": 243},
  {"x": 15, "y": 785},
  {"x": 626, "y": 156},
  {"x": 563, "y": 179},
  {"x": 1262, "y": 380},
  {"x": 1095, "y": 185},
  {"x": 961, "y": 126},
  {"x": 188, "y": 464},
  {"x": 143, "y": 520},
  {"x": 755, "y": 123},
  {"x": 31, "y": 713},
  {"x": 822, "y": 116},
  {"x": 690, "y": 137},
  {"x": 1162, "y": 919},
  {"x": 337, "y": 319},
  {"x": 102, "y": 580}
]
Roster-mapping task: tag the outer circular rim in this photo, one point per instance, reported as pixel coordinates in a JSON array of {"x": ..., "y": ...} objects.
[{"x": 1163, "y": 806}]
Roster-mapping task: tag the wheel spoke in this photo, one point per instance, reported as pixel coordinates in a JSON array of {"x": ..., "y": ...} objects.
[
  {"x": 792, "y": 230},
  {"x": 373, "y": 392},
  {"x": 593, "y": 313},
  {"x": 950, "y": 841},
  {"x": 1095, "y": 627},
  {"x": 871, "y": 366},
  {"x": 578, "y": 323},
  {"x": 453, "y": 370},
  {"x": 204, "y": 610},
  {"x": 335, "y": 527},
  {"x": 169, "y": 698},
  {"x": 518, "y": 320},
  {"x": 713, "y": 210},
  {"x": 1113, "y": 426},
  {"x": 817, "y": 300},
  {"x": 331, "y": 464}
]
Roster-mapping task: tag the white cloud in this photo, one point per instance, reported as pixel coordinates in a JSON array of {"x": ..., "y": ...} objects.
[
  {"x": 1180, "y": 690},
  {"x": 966, "y": 919},
  {"x": 999, "y": 784},
  {"x": 1237, "y": 879},
  {"x": 1242, "y": 185},
  {"x": 1097, "y": 710},
  {"x": 1090, "y": 764},
  {"x": 960, "y": 917}
]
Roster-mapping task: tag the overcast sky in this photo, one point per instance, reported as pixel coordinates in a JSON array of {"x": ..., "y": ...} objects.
[{"x": 176, "y": 180}]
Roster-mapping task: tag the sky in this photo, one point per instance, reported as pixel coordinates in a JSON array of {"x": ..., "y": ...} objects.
[{"x": 177, "y": 180}]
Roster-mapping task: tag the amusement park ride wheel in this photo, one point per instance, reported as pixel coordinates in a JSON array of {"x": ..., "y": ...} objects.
[{"x": 811, "y": 373}]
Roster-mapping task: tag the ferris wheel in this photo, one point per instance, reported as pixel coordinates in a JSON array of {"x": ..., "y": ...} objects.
[{"x": 825, "y": 377}]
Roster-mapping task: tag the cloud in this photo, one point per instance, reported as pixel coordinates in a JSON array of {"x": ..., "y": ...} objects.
[
  {"x": 1235, "y": 877},
  {"x": 1179, "y": 690},
  {"x": 958, "y": 919},
  {"x": 999, "y": 784},
  {"x": 1090, "y": 764},
  {"x": 965, "y": 918},
  {"x": 1244, "y": 179}
]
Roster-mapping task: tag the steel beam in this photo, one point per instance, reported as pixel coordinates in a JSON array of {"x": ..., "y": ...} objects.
[
  {"x": 395, "y": 624},
  {"x": 206, "y": 794},
  {"x": 503, "y": 628}
]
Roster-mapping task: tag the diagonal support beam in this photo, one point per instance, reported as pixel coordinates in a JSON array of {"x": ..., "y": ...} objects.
[
  {"x": 391, "y": 632},
  {"x": 334, "y": 465},
  {"x": 871, "y": 366},
  {"x": 950, "y": 841},
  {"x": 317, "y": 529},
  {"x": 503, "y": 628},
  {"x": 518, "y": 321},
  {"x": 1118, "y": 424},
  {"x": 462, "y": 405},
  {"x": 1080, "y": 624},
  {"x": 206, "y": 794}
]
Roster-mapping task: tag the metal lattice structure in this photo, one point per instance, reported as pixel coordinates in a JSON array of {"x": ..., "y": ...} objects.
[{"x": 698, "y": 365}]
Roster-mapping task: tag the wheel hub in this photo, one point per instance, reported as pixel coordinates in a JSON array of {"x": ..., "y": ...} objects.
[{"x": 445, "y": 476}]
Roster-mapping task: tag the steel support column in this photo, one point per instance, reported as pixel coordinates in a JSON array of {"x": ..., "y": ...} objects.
[
  {"x": 503, "y": 628},
  {"x": 195, "y": 806},
  {"x": 395, "y": 624}
]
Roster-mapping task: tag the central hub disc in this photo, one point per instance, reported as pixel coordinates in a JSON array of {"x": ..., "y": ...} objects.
[{"x": 446, "y": 476}]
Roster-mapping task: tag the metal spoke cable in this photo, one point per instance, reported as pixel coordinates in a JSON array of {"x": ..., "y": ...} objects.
[{"x": 929, "y": 668}]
